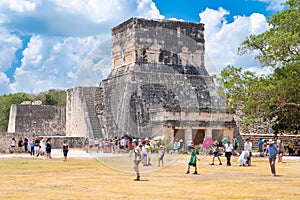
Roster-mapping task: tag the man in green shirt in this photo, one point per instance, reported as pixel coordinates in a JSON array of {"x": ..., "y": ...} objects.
[{"x": 193, "y": 161}]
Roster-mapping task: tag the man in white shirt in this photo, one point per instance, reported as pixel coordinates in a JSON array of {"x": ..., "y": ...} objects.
[{"x": 228, "y": 148}]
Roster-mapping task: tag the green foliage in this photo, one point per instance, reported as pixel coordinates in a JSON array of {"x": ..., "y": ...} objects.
[
  {"x": 275, "y": 97},
  {"x": 280, "y": 44},
  {"x": 52, "y": 97}
]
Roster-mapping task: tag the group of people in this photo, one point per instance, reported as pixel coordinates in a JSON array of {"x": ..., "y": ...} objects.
[
  {"x": 112, "y": 145},
  {"x": 38, "y": 146}
]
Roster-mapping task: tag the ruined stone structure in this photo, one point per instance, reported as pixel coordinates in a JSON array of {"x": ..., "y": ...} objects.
[
  {"x": 158, "y": 85},
  {"x": 38, "y": 119}
]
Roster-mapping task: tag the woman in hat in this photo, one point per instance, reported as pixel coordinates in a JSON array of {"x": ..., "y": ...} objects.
[{"x": 271, "y": 151}]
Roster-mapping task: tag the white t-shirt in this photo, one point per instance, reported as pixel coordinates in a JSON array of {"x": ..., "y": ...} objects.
[
  {"x": 248, "y": 146},
  {"x": 228, "y": 147}
]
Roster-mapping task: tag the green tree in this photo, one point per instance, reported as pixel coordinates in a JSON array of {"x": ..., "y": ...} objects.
[
  {"x": 274, "y": 97},
  {"x": 5, "y": 103}
]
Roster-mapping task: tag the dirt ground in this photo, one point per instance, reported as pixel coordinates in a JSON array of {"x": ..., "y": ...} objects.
[{"x": 98, "y": 177}]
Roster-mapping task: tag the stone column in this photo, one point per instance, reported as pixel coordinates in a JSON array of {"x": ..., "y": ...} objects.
[{"x": 188, "y": 136}]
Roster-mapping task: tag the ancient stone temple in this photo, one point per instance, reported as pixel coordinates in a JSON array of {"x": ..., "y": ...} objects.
[{"x": 158, "y": 85}]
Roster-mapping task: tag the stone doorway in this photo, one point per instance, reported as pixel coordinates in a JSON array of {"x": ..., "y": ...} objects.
[{"x": 198, "y": 136}]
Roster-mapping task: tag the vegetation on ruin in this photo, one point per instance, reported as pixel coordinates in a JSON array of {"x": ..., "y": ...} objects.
[
  {"x": 274, "y": 97},
  {"x": 51, "y": 97}
]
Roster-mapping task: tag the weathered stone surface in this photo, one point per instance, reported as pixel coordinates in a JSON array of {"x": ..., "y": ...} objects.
[
  {"x": 38, "y": 119},
  {"x": 159, "y": 80}
]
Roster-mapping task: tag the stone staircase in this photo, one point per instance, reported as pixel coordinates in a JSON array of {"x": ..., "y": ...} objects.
[{"x": 95, "y": 130}]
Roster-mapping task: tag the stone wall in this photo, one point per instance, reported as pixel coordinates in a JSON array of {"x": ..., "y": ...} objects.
[
  {"x": 38, "y": 119},
  {"x": 5, "y": 140}
]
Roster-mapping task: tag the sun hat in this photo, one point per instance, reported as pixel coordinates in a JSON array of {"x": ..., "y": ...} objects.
[{"x": 270, "y": 141}]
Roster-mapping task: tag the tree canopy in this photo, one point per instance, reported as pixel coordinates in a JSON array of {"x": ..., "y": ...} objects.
[{"x": 275, "y": 97}]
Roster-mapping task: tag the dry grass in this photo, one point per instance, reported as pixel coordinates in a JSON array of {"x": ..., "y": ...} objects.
[{"x": 35, "y": 178}]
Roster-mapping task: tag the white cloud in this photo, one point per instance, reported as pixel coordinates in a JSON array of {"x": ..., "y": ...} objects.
[
  {"x": 4, "y": 84},
  {"x": 9, "y": 44},
  {"x": 222, "y": 39},
  {"x": 275, "y": 5},
  {"x": 18, "y": 5},
  {"x": 52, "y": 63},
  {"x": 65, "y": 37},
  {"x": 148, "y": 9}
]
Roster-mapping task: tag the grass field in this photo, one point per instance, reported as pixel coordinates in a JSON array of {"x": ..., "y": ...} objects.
[{"x": 36, "y": 178}]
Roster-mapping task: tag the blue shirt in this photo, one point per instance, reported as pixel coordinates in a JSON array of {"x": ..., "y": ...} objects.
[
  {"x": 260, "y": 143},
  {"x": 272, "y": 150}
]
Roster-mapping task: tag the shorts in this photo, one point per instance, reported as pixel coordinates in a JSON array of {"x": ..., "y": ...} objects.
[
  {"x": 216, "y": 154},
  {"x": 137, "y": 162},
  {"x": 65, "y": 152},
  {"x": 192, "y": 164}
]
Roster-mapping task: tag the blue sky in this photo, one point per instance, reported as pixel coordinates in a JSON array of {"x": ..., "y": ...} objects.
[{"x": 66, "y": 43}]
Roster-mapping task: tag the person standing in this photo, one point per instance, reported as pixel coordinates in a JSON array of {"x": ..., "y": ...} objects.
[
  {"x": 65, "y": 149},
  {"x": 13, "y": 144},
  {"x": 271, "y": 151},
  {"x": 32, "y": 144},
  {"x": 280, "y": 147},
  {"x": 48, "y": 148},
  {"x": 193, "y": 161},
  {"x": 248, "y": 147},
  {"x": 291, "y": 147},
  {"x": 26, "y": 144},
  {"x": 161, "y": 154},
  {"x": 137, "y": 159},
  {"x": 20, "y": 145},
  {"x": 235, "y": 144},
  {"x": 260, "y": 144},
  {"x": 216, "y": 152},
  {"x": 228, "y": 148},
  {"x": 86, "y": 143}
]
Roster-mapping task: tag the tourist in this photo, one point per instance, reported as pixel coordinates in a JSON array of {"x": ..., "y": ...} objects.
[
  {"x": 224, "y": 142},
  {"x": 243, "y": 158},
  {"x": 91, "y": 145},
  {"x": 176, "y": 145},
  {"x": 248, "y": 147},
  {"x": 137, "y": 159},
  {"x": 65, "y": 149},
  {"x": 235, "y": 144},
  {"x": 265, "y": 146},
  {"x": 48, "y": 148},
  {"x": 291, "y": 147},
  {"x": 96, "y": 142},
  {"x": 228, "y": 148},
  {"x": 43, "y": 147},
  {"x": 260, "y": 144},
  {"x": 13, "y": 144},
  {"x": 193, "y": 161},
  {"x": 20, "y": 145},
  {"x": 37, "y": 146},
  {"x": 32, "y": 145},
  {"x": 149, "y": 151},
  {"x": 144, "y": 154},
  {"x": 280, "y": 147},
  {"x": 271, "y": 151},
  {"x": 215, "y": 149},
  {"x": 26, "y": 144},
  {"x": 86, "y": 143},
  {"x": 161, "y": 154}
]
